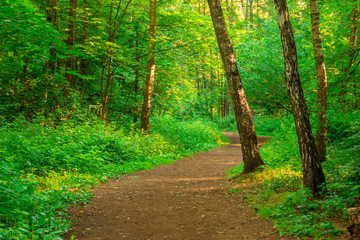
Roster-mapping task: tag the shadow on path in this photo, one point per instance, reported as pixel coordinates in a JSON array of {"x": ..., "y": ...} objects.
[{"x": 188, "y": 199}]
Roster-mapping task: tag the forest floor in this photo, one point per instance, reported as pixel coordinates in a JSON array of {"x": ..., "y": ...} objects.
[{"x": 188, "y": 199}]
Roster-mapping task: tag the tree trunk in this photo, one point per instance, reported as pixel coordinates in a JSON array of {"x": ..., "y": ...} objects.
[
  {"x": 251, "y": 13},
  {"x": 248, "y": 140},
  {"x": 227, "y": 103},
  {"x": 322, "y": 82},
  {"x": 84, "y": 37},
  {"x": 352, "y": 44},
  {"x": 244, "y": 9},
  {"x": 107, "y": 62},
  {"x": 313, "y": 176},
  {"x": 113, "y": 26},
  {"x": 71, "y": 41},
  {"x": 137, "y": 76},
  {"x": 27, "y": 88},
  {"x": 229, "y": 13},
  {"x": 150, "y": 76}
]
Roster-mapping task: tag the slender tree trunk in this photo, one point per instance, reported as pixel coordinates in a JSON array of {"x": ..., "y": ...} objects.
[
  {"x": 113, "y": 26},
  {"x": 322, "y": 82},
  {"x": 107, "y": 62},
  {"x": 150, "y": 76},
  {"x": 243, "y": 9},
  {"x": 204, "y": 7},
  {"x": 229, "y": 13},
  {"x": 71, "y": 41},
  {"x": 227, "y": 103},
  {"x": 251, "y": 2},
  {"x": 352, "y": 44},
  {"x": 84, "y": 37},
  {"x": 246, "y": 10},
  {"x": 248, "y": 140},
  {"x": 313, "y": 175},
  {"x": 27, "y": 88},
  {"x": 220, "y": 99},
  {"x": 137, "y": 76},
  {"x": 51, "y": 65}
]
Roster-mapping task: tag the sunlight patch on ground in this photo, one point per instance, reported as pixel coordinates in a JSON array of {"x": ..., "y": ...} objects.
[{"x": 183, "y": 179}]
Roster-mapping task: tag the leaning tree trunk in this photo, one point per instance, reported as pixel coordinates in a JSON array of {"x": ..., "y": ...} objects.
[
  {"x": 313, "y": 176},
  {"x": 248, "y": 140},
  {"x": 150, "y": 76},
  {"x": 322, "y": 82}
]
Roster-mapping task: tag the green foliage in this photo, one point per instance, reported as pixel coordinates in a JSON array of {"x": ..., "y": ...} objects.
[
  {"x": 189, "y": 136},
  {"x": 283, "y": 149},
  {"x": 27, "y": 213},
  {"x": 301, "y": 215},
  {"x": 43, "y": 170},
  {"x": 278, "y": 194},
  {"x": 227, "y": 123}
]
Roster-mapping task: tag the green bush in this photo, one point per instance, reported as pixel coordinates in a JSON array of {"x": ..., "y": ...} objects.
[
  {"x": 188, "y": 136},
  {"x": 40, "y": 165},
  {"x": 279, "y": 194}
]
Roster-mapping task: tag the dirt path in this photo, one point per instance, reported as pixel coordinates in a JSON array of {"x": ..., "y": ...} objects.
[{"x": 184, "y": 200}]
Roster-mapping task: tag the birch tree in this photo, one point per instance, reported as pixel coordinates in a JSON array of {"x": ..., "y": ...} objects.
[
  {"x": 248, "y": 140},
  {"x": 322, "y": 82},
  {"x": 313, "y": 176}
]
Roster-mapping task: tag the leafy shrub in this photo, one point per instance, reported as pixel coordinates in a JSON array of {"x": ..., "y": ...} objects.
[
  {"x": 26, "y": 212},
  {"x": 40, "y": 165},
  {"x": 278, "y": 193},
  {"x": 227, "y": 123},
  {"x": 188, "y": 136}
]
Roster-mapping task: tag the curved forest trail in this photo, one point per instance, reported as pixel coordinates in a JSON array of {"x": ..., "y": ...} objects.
[{"x": 188, "y": 199}]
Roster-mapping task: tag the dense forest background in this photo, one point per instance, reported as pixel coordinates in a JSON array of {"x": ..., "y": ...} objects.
[{"x": 72, "y": 85}]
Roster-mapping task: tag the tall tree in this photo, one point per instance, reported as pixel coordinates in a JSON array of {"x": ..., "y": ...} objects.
[
  {"x": 352, "y": 55},
  {"x": 71, "y": 41},
  {"x": 231, "y": 24},
  {"x": 313, "y": 176},
  {"x": 248, "y": 140},
  {"x": 322, "y": 82},
  {"x": 251, "y": 2},
  {"x": 150, "y": 75},
  {"x": 113, "y": 26}
]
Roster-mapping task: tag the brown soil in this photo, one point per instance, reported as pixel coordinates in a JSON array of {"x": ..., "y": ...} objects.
[{"x": 188, "y": 199}]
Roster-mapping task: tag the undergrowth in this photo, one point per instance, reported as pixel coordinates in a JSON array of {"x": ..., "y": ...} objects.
[
  {"x": 277, "y": 192},
  {"x": 43, "y": 170}
]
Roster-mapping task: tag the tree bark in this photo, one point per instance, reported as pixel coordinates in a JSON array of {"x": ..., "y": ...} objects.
[
  {"x": 248, "y": 140},
  {"x": 352, "y": 44},
  {"x": 27, "y": 88},
  {"x": 71, "y": 41},
  {"x": 112, "y": 29},
  {"x": 313, "y": 176},
  {"x": 107, "y": 62},
  {"x": 231, "y": 24},
  {"x": 84, "y": 37},
  {"x": 150, "y": 76},
  {"x": 244, "y": 9},
  {"x": 251, "y": 2},
  {"x": 322, "y": 82},
  {"x": 137, "y": 76}
]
